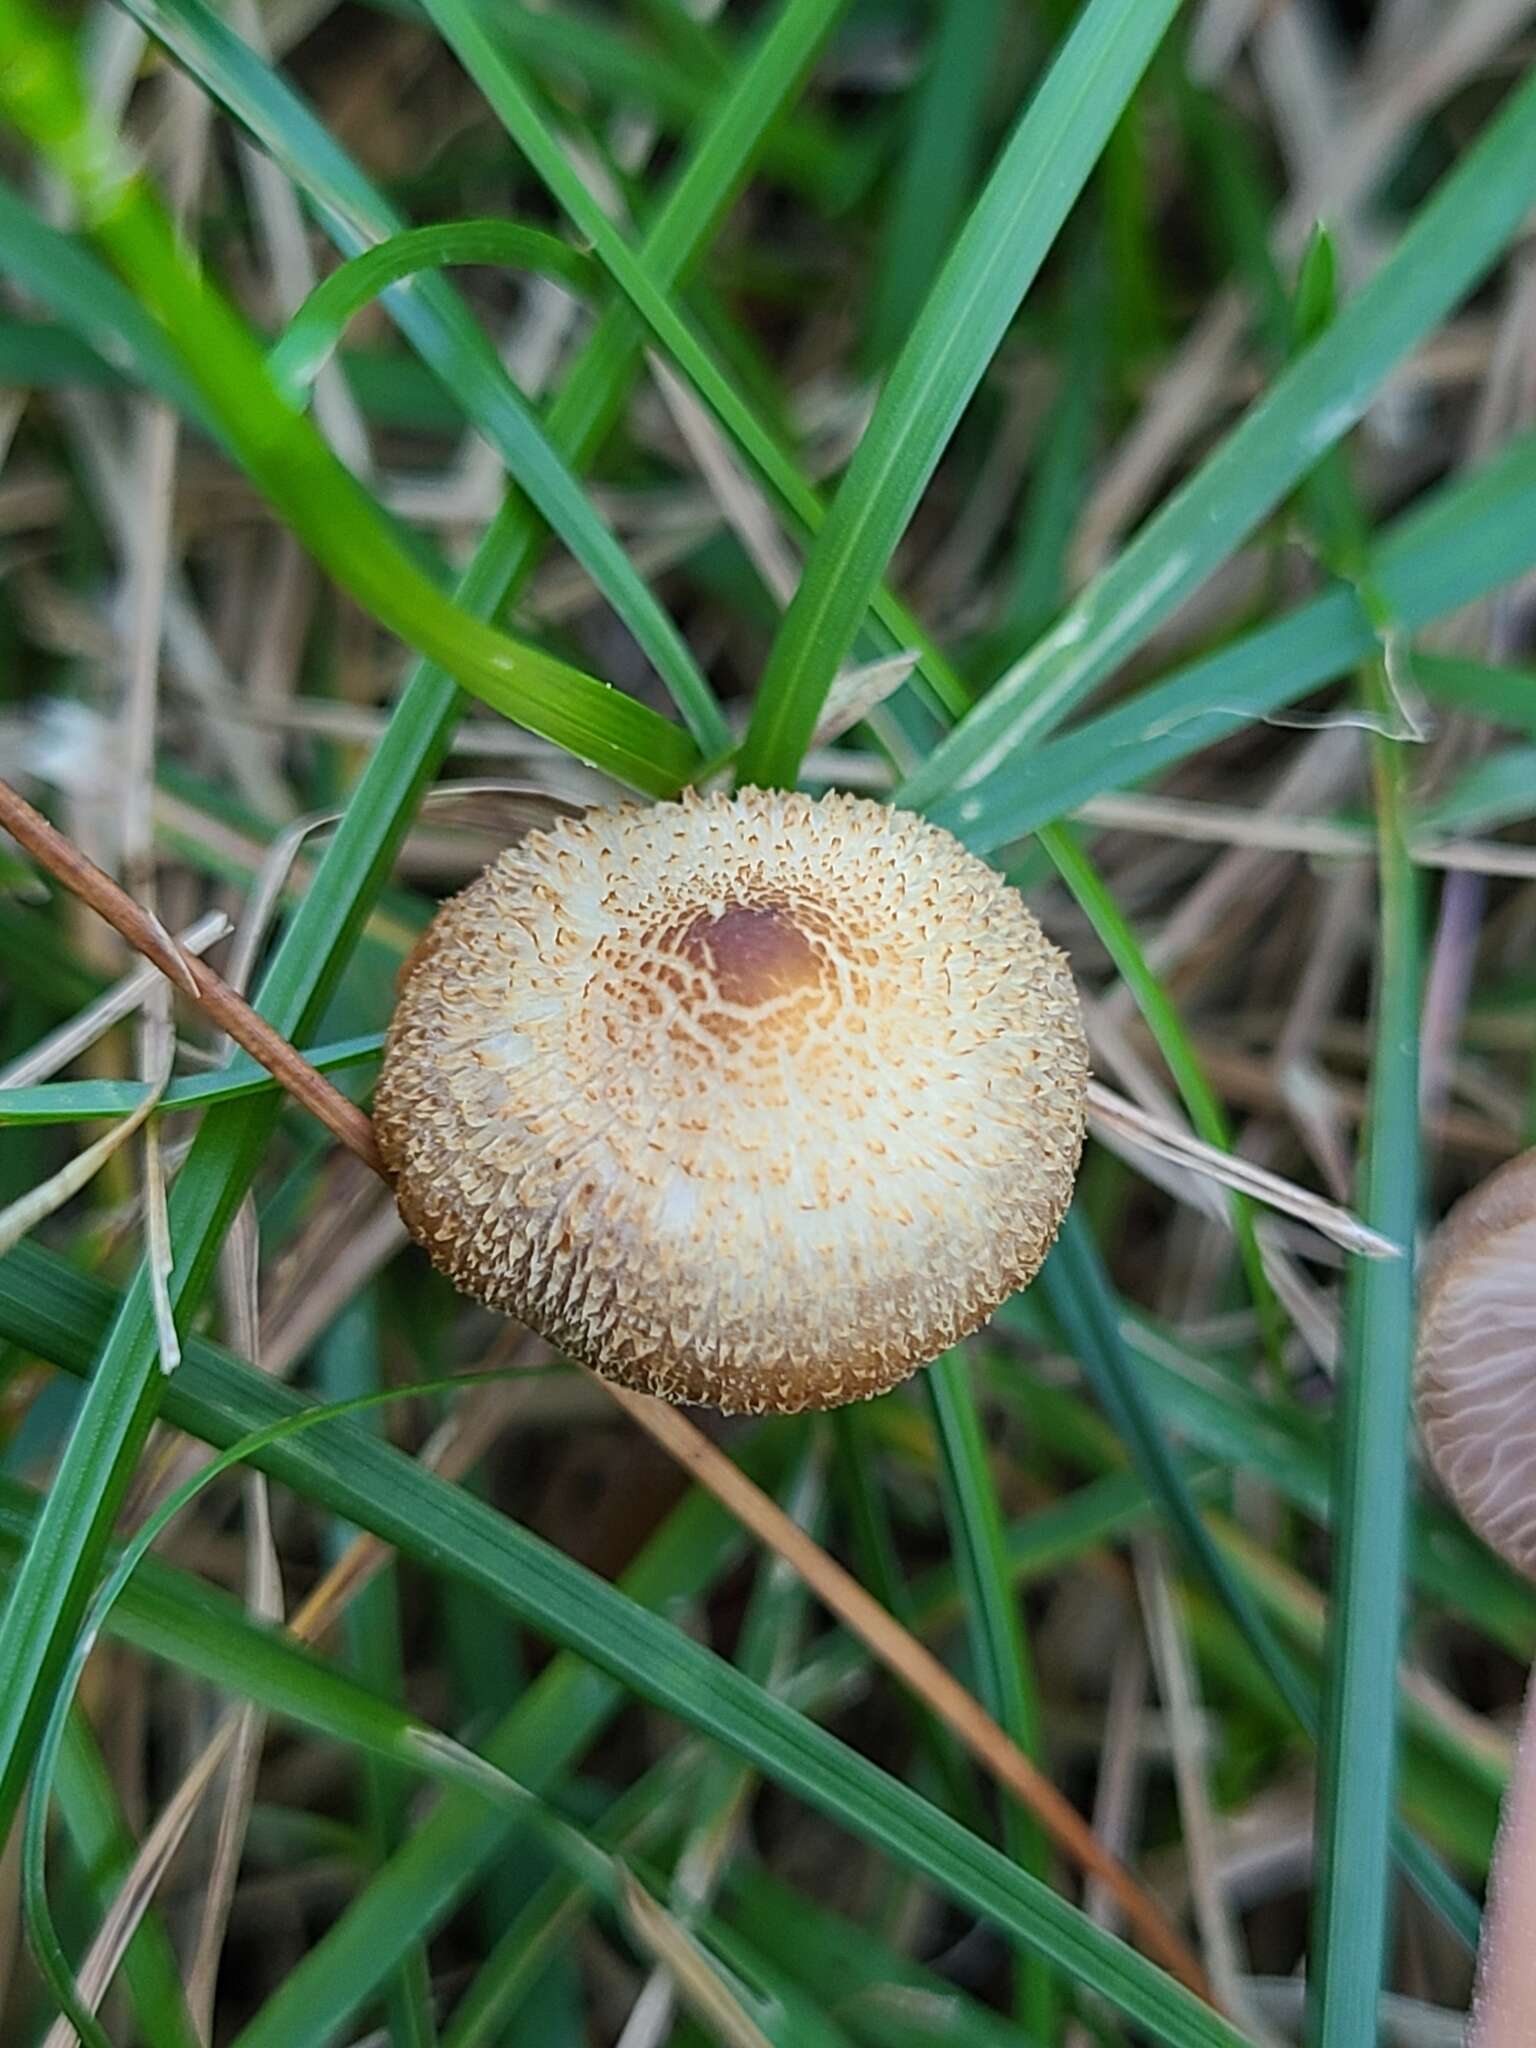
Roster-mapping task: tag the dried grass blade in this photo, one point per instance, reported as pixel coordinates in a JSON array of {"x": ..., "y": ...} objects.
[{"x": 1114, "y": 1118}]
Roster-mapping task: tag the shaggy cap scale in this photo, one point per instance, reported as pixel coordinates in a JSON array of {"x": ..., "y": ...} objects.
[{"x": 756, "y": 1101}]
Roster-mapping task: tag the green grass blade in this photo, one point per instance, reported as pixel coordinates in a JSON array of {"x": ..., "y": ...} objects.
[
  {"x": 347, "y": 1365},
  {"x": 104, "y": 1844},
  {"x": 1468, "y": 539},
  {"x": 1371, "y": 1475},
  {"x": 1035, "y": 578},
  {"x": 1173, "y": 1042},
  {"x": 1006, "y": 238},
  {"x": 999, "y": 1653},
  {"x": 471, "y": 32},
  {"x": 1503, "y": 696},
  {"x": 767, "y": 1650},
  {"x": 858, "y": 1975},
  {"x": 544, "y": 1927},
  {"x": 934, "y": 169},
  {"x": 1483, "y": 796},
  {"x": 1452, "y": 241},
  {"x": 877, "y": 1562},
  {"x": 803, "y": 150},
  {"x": 69, "y": 1102},
  {"x": 57, "y": 271},
  {"x": 345, "y": 1468}
]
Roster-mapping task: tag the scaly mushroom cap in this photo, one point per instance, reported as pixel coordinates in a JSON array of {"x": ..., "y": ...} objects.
[
  {"x": 756, "y": 1101},
  {"x": 1475, "y": 1369}
]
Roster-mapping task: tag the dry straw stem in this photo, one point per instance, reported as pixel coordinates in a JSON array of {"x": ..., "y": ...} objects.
[
  {"x": 859, "y": 1612},
  {"x": 918, "y": 1668},
  {"x": 28, "y": 1210},
  {"x": 49, "y": 1055},
  {"x": 1318, "y": 838},
  {"x": 454, "y": 1447},
  {"x": 1167, "y": 1640},
  {"x": 137, "y": 1890},
  {"x": 1112, "y": 1116},
  {"x": 64, "y": 860}
]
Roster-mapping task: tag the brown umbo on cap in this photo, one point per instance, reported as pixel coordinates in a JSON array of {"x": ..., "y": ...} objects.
[{"x": 755, "y": 1101}]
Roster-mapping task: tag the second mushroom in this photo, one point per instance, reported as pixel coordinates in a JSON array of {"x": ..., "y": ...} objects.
[{"x": 760, "y": 1102}]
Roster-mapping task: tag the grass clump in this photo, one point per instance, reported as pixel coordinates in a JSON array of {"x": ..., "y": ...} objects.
[{"x": 419, "y": 420}]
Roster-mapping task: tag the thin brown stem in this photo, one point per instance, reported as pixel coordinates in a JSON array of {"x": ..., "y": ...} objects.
[
  {"x": 145, "y": 933},
  {"x": 918, "y": 1669}
]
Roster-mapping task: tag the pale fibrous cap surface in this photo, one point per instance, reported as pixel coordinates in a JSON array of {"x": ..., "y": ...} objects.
[
  {"x": 1475, "y": 1370},
  {"x": 755, "y": 1101}
]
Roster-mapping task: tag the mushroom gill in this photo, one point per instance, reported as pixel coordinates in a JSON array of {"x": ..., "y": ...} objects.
[
  {"x": 759, "y": 1101},
  {"x": 1475, "y": 1369},
  {"x": 1475, "y": 1392}
]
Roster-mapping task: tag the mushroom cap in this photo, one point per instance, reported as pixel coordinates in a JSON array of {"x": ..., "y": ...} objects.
[
  {"x": 754, "y": 1101},
  {"x": 1475, "y": 1365}
]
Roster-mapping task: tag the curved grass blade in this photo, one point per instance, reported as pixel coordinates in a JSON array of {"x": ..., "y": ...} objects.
[
  {"x": 306, "y": 345},
  {"x": 441, "y": 326},
  {"x": 207, "y": 1634},
  {"x": 318, "y": 497},
  {"x": 472, "y": 34},
  {"x": 414, "y": 1744}
]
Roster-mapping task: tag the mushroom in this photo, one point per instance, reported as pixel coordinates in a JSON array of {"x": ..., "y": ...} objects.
[
  {"x": 1475, "y": 1390},
  {"x": 754, "y": 1101}
]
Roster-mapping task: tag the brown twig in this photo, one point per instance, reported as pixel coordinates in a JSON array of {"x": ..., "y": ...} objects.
[
  {"x": 917, "y": 1667},
  {"x": 67, "y": 864},
  {"x": 891, "y": 1644}
]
